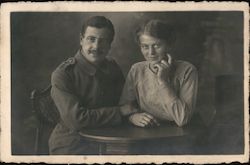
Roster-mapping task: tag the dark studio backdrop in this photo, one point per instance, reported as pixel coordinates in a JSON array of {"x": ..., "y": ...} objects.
[{"x": 212, "y": 41}]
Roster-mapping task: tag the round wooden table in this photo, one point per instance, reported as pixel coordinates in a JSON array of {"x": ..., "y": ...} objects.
[{"x": 120, "y": 139}]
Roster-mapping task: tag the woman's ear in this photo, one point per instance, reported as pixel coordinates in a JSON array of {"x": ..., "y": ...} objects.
[{"x": 169, "y": 49}]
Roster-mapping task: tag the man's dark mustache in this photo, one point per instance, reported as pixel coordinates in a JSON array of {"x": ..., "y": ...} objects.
[{"x": 95, "y": 51}]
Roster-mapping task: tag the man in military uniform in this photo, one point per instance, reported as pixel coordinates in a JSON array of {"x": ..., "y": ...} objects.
[{"x": 86, "y": 89}]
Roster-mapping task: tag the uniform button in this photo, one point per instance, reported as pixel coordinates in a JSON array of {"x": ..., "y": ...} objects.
[{"x": 71, "y": 61}]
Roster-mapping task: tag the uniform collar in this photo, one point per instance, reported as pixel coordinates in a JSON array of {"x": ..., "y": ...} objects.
[
  {"x": 88, "y": 67},
  {"x": 84, "y": 64}
]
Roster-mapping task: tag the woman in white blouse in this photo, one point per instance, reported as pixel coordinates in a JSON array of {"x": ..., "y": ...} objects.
[{"x": 161, "y": 88}]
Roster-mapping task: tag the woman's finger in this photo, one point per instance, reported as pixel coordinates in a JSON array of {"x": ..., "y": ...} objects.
[
  {"x": 164, "y": 63},
  {"x": 151, "y": 119},
  {"x": 148, "y": 115},
  {"x": 160, "y": 68},
  {"x": 148, "y": 121},
  {"x": 156, "y": 122},
  {"x": 169, "y": 59},
  {"x": 157, "y": 66},
  {"x": 142, "y": 123}
]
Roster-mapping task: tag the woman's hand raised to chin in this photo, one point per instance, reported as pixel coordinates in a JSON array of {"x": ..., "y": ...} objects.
[{"x": 164, "y": 70}]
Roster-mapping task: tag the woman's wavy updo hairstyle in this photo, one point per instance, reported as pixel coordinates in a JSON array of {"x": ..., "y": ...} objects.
[{"x": 157, "y": 29}]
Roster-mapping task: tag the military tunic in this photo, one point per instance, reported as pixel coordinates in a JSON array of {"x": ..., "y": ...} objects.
[{"x": 86, "y": 96}]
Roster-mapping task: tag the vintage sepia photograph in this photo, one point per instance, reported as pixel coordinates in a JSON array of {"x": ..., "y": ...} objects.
[{"x": 133, "y": 82}]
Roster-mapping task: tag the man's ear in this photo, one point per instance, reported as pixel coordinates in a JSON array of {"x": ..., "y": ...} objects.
[{"x": 81, "y": 37}]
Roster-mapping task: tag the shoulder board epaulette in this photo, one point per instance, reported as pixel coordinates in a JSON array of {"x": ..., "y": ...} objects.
[{"x": 69, "y": 62}]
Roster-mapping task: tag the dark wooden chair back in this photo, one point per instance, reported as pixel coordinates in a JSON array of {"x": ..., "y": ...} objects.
[{"x": 47, "y": 115}]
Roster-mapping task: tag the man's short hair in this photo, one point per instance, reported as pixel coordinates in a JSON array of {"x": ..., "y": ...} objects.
[
  {"x": 99, "y": 22},
  {"x": 158, "y": 29}
]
